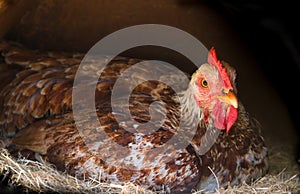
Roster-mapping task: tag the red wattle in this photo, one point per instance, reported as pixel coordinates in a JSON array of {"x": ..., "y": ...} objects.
[
  {"x": 231, "y": 118},
  {"x": 222, "y": 119},
  {"x": 219, "y": 116}
]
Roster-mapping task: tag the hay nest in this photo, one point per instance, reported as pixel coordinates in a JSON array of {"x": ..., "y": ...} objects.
[
  {"x": 281, "y": 183},
  {"x": 38, "y": 177},
  {"x": 34, "y": 176}
]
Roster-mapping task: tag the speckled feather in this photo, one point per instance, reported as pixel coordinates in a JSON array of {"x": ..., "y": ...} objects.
[{"x": 36, "y": 112}]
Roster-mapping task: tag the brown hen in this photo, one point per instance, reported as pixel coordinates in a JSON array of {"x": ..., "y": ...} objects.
[{"x": 36, "y": 115}]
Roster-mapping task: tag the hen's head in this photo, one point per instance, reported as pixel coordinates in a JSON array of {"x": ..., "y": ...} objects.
[{"x": 213, "y": 93}]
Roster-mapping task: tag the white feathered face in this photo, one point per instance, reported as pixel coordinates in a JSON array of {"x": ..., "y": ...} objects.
[{"x": 215, "y": 96}]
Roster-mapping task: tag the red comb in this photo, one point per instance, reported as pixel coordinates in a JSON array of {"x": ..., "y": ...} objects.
[{"x": 212, "y": 59}]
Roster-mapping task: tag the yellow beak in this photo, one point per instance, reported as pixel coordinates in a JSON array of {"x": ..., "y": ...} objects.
[{"x": 230, "y": 98}]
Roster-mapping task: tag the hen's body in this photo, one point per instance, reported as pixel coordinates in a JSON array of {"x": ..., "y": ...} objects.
[{"x": 36, "y": 113}]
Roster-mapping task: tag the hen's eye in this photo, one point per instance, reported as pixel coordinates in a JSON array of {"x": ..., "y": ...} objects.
[{"x": 204, "y": 83}]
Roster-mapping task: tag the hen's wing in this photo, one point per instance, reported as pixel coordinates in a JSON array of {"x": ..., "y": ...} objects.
[{"x": 40, "y": 86}]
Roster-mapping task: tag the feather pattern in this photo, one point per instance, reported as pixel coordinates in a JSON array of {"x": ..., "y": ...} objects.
[{"x": 36, "y": 114}]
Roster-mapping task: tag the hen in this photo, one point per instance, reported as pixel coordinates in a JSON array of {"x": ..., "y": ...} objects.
[{"x": 36, "y": 115}]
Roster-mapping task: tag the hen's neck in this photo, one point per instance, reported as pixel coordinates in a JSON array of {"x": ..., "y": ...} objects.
[
  {"x": 190, "y": 111},
  {"x": 193, "y": 116}
]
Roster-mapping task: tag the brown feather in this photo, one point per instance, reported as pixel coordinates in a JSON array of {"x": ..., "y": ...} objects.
[{"x": 36, "y": 112}]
